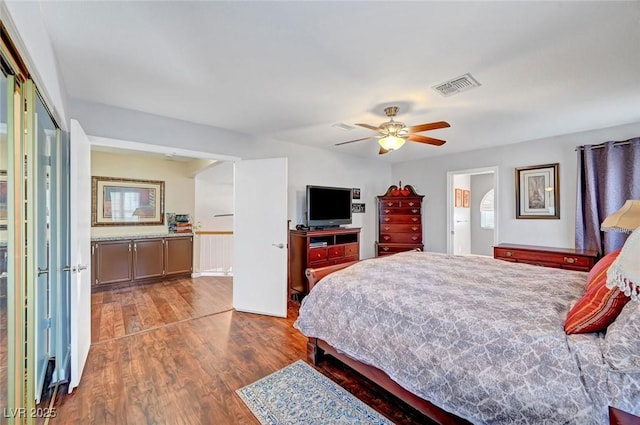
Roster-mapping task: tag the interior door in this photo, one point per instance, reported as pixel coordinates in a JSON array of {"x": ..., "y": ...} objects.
[
  {"x": 80, "y": 235},
  {"x": 260, "y": 232}
]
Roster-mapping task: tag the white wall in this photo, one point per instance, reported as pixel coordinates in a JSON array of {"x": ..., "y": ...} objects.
[
  {"x": 179, "y": 186},
  {"x": 307, "y": 165},
  {"x": 430, "y": 176},
  {"x": 214, "y": 196},
  {"x": 481, "y": 239},
  {"x": 25, "y": 25}
]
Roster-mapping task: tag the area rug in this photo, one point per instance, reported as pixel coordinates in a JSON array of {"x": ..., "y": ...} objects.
[{"x": 298, "y": 394}]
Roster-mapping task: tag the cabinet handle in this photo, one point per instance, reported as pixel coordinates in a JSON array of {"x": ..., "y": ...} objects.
[
  {"x": 508, "y": 253},
  {"x": 411, "y": 204},
  {"x": 387, "y": 219},
  {"x": 384, "y": 248},
  {"x": 135, "y": 246},
  {"x": 414, "y": 218},
  {"x": 129, "y": 247},
  {"x": 386, "y": 211},
  {"x": 415, "y": 238},
  {"x": 386, "y": 238},
  {"x": 389, "y": 203},
  {"x": 570, "y": 260},
  {"x": 414, "y": 228},
  {"x": 387, "y": 228},
  {"x": 414, "y": 210}
]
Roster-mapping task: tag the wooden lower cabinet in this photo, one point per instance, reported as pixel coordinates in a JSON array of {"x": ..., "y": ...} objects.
[
  {"x": 148, "y": 261},
  {"x": 117, "y": 262},
  {"x": 112, "y": 262},
  {"x": 178, "y": 257}
]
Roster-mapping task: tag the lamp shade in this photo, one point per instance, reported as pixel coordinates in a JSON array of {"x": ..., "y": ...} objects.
[
  {"x": 624, "y": 272},
  {"x": 391, "y": 143},
  {"x": 626, "y": 219}
]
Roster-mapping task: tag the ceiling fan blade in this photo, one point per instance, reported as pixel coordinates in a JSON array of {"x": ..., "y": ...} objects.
[
  {"x": 425, "y": 139},
  {"x": 382, "y": 151},
  {"x": 356, "y": 140},
  {"x": 370, "y": 127},
  {"x": 428, "y": 126}
]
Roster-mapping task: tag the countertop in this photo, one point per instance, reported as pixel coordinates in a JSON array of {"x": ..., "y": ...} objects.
[{"x": 127, "y": 237}]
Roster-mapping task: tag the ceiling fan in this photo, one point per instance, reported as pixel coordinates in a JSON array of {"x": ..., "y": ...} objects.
[{"x": 393, "y": 134}]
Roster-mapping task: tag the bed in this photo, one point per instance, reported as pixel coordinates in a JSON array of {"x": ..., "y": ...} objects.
[{"x": 473, "y": 339}]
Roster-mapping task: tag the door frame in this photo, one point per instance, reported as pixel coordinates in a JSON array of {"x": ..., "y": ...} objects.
[{"x": 450, "y": 187}]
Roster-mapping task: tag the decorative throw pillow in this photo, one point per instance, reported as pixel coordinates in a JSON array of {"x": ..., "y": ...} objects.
[
  {"x": 600, "y": 305},
  {"x": 599, "y": 271}
]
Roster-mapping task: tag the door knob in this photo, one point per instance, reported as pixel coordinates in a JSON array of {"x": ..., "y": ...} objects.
[{"x": 278, "y": 245}]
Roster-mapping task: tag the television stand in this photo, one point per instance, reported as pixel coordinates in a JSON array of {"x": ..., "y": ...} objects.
[{"x": 319, "y": 248}]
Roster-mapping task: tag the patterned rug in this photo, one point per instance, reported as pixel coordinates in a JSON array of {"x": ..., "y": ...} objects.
[{"x": 298, "y": 394}]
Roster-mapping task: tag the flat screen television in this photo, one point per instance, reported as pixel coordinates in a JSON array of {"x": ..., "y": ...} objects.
[{"x": 328, "y": 206}]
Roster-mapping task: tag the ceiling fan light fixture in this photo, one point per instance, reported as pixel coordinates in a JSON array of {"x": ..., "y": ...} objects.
[{"x": 391, "y": 143}]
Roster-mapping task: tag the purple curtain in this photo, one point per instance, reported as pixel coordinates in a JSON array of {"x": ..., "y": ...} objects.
[{"x": 608, "y": 175}]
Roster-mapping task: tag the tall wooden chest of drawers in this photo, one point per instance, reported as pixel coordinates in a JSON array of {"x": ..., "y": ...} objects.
[{"x": 399, "y": 220}]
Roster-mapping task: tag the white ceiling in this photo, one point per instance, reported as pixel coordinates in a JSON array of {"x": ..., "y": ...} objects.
[{"x": 290, "y": 70}]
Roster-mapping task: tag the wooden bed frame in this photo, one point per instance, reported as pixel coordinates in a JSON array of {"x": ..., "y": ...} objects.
[{"x": 317, "y": 348}]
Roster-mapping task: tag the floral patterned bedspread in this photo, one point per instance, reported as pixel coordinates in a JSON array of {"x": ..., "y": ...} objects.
[{"x": 478, "y": 337}]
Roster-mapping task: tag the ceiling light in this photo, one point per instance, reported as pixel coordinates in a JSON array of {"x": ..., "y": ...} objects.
[{"x": 391, "y": 143}]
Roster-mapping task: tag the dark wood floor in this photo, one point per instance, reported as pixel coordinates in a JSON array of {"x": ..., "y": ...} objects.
[
  {"x": 186, "y": 372},
  {"x": 132, "y": 309}
]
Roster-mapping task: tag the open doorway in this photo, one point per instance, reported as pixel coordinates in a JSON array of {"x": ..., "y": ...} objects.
[
  {"x": 128, "y": 307},
  {"x": 472, "y": 215}
]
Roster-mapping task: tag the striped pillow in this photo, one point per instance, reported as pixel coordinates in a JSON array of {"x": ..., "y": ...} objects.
[
  {"x": 600, "y": 305},
  {"x": 599, "y": 271}
]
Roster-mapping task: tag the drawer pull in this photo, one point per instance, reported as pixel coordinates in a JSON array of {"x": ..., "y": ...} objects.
[
  {"x": 414, "y": 228},
  {"x": 390, "y": 204},
  {"x": 386, "y": 238},
  {"x": 414, "y": 218},
  {"x": 508, "y": 253},
  {"x": 387, "y": 228},
  {"x": 570, "y": 260},
  {"x": 387, "y": 219},
  {"x": 414, "y": 210},
  {"x": 387, "y": 211},
  {"x": 414, "y": 238},
  {"x": 385, "y": 248},
  {"x": 411, "y": 204}
]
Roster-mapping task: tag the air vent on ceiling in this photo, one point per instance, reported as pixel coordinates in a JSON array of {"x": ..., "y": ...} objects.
[
  {"x": 343, "y": 126},
  {"x": 457, "y": 85}
]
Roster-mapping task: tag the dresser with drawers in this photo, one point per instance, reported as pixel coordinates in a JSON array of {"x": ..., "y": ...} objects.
[
  {"x": 560, "y": 258},
  {"x": 399, "y": 220}
]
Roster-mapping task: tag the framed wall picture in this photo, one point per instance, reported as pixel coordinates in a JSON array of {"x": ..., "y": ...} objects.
[
  {"x": 126, "y": 202},
  {"x": 356, "y": 193},
  {"x": 458, "y": 198},
  {"x": 357, "y": 208},
  {"x": 538, "y": 191},
  {"x": 466, "y": 198}
]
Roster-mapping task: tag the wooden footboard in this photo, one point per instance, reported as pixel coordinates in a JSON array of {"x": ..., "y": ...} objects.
[
  {"x": 317, "y": 348},
  {"x": 314, "y": 275}
]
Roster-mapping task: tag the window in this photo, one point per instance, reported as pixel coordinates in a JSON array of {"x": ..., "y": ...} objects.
[{"x": 486, "y": 211}]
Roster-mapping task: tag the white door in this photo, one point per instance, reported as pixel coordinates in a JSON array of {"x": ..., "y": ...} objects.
[
  {"x": 260, "y": 231},
  {"x": 80, "y": 237}
]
